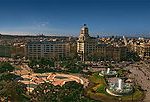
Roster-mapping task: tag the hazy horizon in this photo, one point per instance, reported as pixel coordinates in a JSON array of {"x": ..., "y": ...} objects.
[{"x": 65, "y": 17}]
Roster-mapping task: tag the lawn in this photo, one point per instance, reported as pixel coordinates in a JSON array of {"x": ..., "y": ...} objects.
[
  {"x": 97, "y": 79},
  {"x": 137, "y": 95},
  {"x": 97, "y": 91}
]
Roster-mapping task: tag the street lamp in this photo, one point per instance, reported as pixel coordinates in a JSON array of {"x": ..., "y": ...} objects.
[
  {"x": 29, "y": 81},
  {"x": 133, "y": 88},
  {"x": 120, "y": 99}
]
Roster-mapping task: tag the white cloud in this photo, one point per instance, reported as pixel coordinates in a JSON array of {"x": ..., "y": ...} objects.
[{"x": 43, "y": 24}]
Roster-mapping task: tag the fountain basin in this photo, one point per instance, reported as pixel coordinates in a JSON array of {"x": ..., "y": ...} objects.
[
  {"x": 108, "y": 72},
  {"x": 120, "y": 88}
]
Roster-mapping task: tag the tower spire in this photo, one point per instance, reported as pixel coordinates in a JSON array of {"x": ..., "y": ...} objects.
[
  {"x": 84, "y": 31},
  {"x": 84, "y": 24}
]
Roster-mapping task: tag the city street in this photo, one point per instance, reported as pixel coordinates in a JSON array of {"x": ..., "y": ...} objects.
[{"x": 141, "y": 75}]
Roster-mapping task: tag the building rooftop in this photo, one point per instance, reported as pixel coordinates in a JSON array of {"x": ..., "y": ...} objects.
[{"x": 46, "y": 42}]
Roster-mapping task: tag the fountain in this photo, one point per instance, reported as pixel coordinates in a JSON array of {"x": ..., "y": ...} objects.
[
  {"x": 119, "y": 84},
  {"x": 108, "y": 72},
  {"x": 120, "y": 88}
]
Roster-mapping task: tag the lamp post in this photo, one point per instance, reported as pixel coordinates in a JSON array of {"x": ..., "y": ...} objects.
[
  {"x": 120, "y": 99},
  {"x": 29, "y": 81},
  {"x": 133, "y": 88},
  {"x": 132, "y": 94}
]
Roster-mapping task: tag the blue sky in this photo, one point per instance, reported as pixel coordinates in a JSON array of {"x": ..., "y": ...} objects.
[{"x": 65, "y": 17}]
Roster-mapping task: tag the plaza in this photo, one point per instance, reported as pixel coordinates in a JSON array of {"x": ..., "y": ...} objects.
[{"x": 32, "y": 80}]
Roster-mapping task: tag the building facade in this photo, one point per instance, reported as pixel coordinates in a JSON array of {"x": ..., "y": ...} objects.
[
  {"x": 85, "y": 43},
  {"x": 47, "y": 49},
  {"x": 5, "y": 51},
  {"x": 89, "y": 48},
  {"x": 143, "y": 50},
  {"x": 109, "y": 52}
]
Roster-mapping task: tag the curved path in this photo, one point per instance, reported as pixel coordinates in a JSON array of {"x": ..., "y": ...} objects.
[{"x": 54, "y": 78}]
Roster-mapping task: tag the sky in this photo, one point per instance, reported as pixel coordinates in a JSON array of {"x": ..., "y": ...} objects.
[{"x": 66, "y": 17}]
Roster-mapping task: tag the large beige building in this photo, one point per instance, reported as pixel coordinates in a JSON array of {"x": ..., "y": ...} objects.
[
  {"x": 109, "y": 52},
  {"x": 47, "y": 49},
  {"x": 85, "y": 44},
  {"x": 146, "y": 51},
  {"x": 89, "y": 48},
  {"x": 143, "y": 50}
]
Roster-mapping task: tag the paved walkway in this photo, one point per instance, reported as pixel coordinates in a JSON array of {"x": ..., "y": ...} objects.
[{"x": 36, "y": 78}]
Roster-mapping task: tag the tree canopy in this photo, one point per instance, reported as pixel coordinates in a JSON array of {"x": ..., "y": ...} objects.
[
  {"x": 12, "y": 91},
  {"x": 73, "y": 66},
  {"x": 69, "y": 92},
  {"x": 6, "y": 67},
  {"x": 9, "y": 77},
  {"x": 42, "y": 65}
]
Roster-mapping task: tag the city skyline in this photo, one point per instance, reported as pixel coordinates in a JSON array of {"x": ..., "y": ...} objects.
[{"x": 110, "y": 17}]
